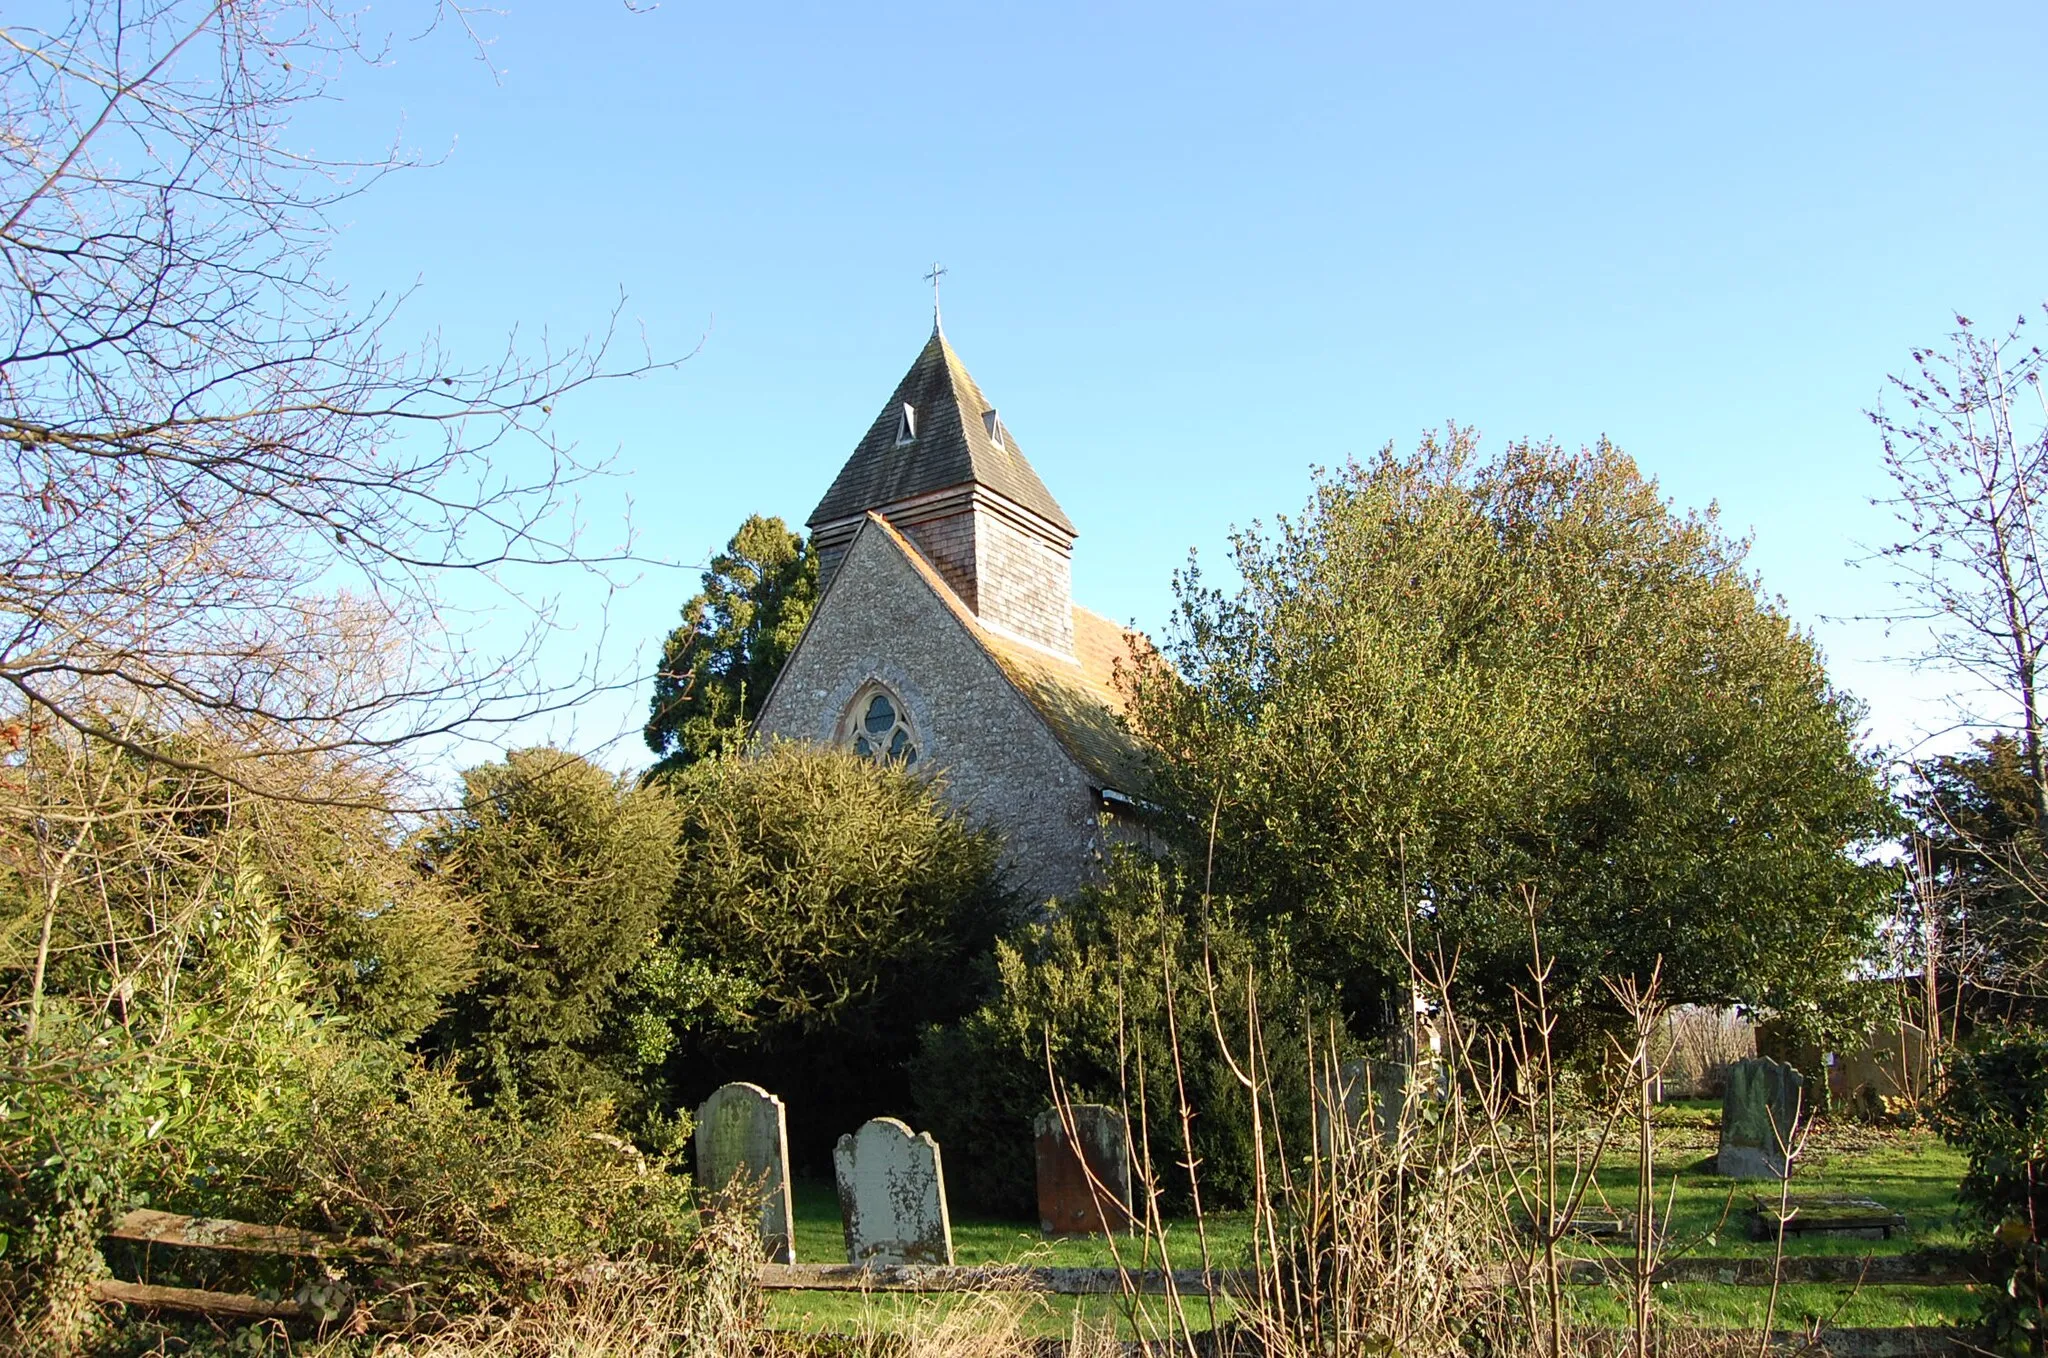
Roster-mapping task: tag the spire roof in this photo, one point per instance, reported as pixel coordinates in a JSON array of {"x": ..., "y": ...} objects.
[{"x": 953, "y": 439}]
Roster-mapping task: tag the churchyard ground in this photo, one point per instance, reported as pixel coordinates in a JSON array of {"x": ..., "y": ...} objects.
[{"x": 1908, "y": 1169}]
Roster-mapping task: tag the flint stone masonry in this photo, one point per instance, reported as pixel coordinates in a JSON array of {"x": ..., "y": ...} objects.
[
  {"x": 1758, "y": 1116},
  {"x": 881, "y": 621},
  {"x": 741, "y": 1130},
  {"x": 1069, "y": 1201},
  {"x": 892, "y": 1196}
]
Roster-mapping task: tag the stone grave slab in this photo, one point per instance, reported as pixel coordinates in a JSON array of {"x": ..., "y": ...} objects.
[
  {"x": 1594, "y": 1222},
  {"x": 1759, "y": 1112},
  {"x": 1857, "y": 1218},
  {"x": 1084, "y": 1188},
  {"x": 742, "y": 1130},
  {"x": 892, "y": 1196}
]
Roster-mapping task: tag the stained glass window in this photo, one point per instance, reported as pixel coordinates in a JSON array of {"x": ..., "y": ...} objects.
[{"x": 881, "y": 732}]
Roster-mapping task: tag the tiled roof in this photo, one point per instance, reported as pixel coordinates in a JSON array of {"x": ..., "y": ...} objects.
[
  {"x": 953, "y": 447},
  {"x": 1078, "y": 699}
]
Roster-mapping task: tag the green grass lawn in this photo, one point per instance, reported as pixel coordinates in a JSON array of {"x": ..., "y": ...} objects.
[{"x": 1910, "y": 1170}]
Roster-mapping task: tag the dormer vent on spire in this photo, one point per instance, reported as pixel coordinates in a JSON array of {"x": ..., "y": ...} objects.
[{"x": 940, "y": 466}]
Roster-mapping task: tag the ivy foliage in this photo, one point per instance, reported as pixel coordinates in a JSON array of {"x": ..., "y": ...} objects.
[
  {"x": 567, "y": 868},
  {"x": 825, "y": 909},
  {"x": 718, "y": 665},
  {"x": 1457, "y": 683},
  {"x": 1099, "y": 995},
  {"x": 210, "y": 1086}
]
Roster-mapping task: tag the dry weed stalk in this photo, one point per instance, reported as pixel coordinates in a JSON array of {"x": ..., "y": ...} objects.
[{"x": 1438, "y": 1219}]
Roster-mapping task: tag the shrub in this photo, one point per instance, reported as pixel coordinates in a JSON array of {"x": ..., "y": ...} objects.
[
  {"x": 1088, "y": 988},
  {"x": 826, "y": 910},
  {"x": 382, "y": 1144},
  {"x": 567, "y": 868},
  {"x": 1995, "y": 1109}
]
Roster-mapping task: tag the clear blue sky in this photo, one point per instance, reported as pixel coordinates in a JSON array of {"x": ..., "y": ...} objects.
[{"x": 1195, "y": 250}]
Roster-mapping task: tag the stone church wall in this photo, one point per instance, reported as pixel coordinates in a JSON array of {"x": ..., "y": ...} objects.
[{"x": 881, "y": 620}]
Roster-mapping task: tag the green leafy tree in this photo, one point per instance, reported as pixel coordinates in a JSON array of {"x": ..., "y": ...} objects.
[
  {"x": 1089, "y": 989},
  {"x": 567, "y": 867},
  {"x": 717, "y": 667},
  {"x": 1456, "y": 684},
  {"x": 826, "y": 909}
]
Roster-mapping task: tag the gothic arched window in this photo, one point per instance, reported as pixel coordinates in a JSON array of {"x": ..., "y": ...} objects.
[{"x": 879, "y": 728}]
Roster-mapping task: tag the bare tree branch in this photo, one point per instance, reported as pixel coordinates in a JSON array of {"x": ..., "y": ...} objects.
[{"x": 228, "y": 495}]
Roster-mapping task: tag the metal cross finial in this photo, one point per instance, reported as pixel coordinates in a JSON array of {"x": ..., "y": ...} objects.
[{"x": 938, "y": 272}]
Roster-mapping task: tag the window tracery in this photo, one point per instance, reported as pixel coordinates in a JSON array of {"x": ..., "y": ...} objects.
[{"x": 879, "y": 728}]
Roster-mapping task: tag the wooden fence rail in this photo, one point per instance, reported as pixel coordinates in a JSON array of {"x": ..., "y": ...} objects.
[
  {"x": 172, "y": 1230},
  {"x": 1925, "y": 1269}
]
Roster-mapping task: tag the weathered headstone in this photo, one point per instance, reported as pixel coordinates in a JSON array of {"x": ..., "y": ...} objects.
[
  {"x": 1363, "y": 1098},
  {"x": 1758, "y": 1114},
  {"x": 892, "y": 1196},
  {"x": 741, "y": 1131},
  {"x": 1084, "y": 1184}
]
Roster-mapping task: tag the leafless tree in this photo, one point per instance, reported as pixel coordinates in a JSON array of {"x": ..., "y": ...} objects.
[
  {"x": 229, "y": 495},
  {"x": 1969, "y": 458}
]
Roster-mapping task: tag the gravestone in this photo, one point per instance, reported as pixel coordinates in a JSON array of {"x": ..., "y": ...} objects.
[
  {"x": 1084, "y": 1188},
  {"x": 741, "y": 1131},
  {"x": 892, "y": 1196},
  {"x": 1363, "y": 1097},
  {"x": 1758, "y": 1113}
]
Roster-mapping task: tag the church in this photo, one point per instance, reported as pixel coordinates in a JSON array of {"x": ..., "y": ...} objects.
[{"x": 946, "y": 636}]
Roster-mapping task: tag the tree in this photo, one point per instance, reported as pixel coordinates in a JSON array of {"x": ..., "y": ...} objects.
[
  {"x": 1979, "y": 909},
  {"x": 1969, "y": 458},
  {"x": 104, "y": 849},
  {"x": 234, "y": 497},
  {"x": 567, "y": 868},
  {"x": 826, "y": 909},
  {"x": 717, "y": 667},
  {"x": 1454, "y": 680}
]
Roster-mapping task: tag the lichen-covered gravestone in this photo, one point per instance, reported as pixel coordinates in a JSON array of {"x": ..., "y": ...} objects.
[
  {"x": 892, "y": 1196},
  {"x": 1084, "y": 1185},
  {"x": 1362, "y": 1098},
  {"x": 1339, "y": 1106},
  {"x": 741, "y": 1131},
  {"x": 1758, "y": 1116}
]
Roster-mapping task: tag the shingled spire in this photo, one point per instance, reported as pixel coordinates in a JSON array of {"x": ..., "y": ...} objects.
[{"x": 941, "y": 467}]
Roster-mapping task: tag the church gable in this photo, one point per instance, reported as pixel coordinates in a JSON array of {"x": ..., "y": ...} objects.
[
  {"x": 886, "y": 626},
  {"x": 947, "y": 639}
]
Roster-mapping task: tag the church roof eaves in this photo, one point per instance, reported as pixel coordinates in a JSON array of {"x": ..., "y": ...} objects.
[
  {"x": 952, "y": 447},
  {"x": 1078, "y": 699}
]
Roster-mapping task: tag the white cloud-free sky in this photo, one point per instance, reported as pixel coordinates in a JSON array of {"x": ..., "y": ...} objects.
[{"x": 1194, "y": 250}]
